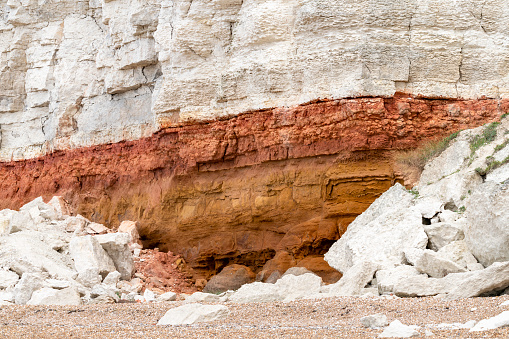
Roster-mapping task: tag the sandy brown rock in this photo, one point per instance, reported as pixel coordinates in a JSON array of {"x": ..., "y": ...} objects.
[{"x": 230, "y": 278}]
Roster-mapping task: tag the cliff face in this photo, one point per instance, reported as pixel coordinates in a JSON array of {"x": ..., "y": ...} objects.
[
  {"x": 239, "y": 190},
  {"x": 81, "y": 73}
]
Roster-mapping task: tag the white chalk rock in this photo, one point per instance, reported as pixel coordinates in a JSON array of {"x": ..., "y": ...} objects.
[
  {"x": 398, "y": 330},
  {"x": 492, "y": 278},
  {"x": 199, "y": 297},
  {"x": 458, "y": 252},
  {"x": 50, "y": 296},
  {"x": 256, "y": 292},
  {"x": 441, "y": 234},
  {"x": 501, "y": 320},
  {"x": 386, "y": 279},
  {"x": 380, "y": 233},
  {"x": 117, "y": 247},
  {"x": 294, "y": 287},
  {"x": 28, "y": 283},
  {"x": 168, "y": 296},
  {"x": 429, "y": 262},
  {"x": 374, "y": 321},
  {"x": 8, "y": 278},
  {"x": 193, "y": 313},
  {"x": 354, "y": 280},
  {"x": 91, "y": 260},
  {"x": 487, "y": 234}
]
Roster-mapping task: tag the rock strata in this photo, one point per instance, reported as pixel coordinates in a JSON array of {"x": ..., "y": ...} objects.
[{"x": 297, "y": 176}]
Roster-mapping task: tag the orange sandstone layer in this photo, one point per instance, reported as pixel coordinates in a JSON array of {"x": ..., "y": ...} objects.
[{"x": 241, "y": 189}]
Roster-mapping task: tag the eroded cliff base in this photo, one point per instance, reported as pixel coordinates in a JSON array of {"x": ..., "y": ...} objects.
[{"x": 242, "y": 189}]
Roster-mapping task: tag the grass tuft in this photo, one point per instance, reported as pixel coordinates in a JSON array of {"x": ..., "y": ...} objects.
[
  {"x": 488, "y": 135},
  {"x": 420, "y": 156}
]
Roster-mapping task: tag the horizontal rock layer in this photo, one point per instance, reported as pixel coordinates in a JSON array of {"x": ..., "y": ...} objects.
[
  {"x": 81, "y": 73},
  {"x": 237, "y": 190}
]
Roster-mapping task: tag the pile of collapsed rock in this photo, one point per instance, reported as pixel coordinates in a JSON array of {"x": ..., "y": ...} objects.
[{"x": 50, "y": 257}]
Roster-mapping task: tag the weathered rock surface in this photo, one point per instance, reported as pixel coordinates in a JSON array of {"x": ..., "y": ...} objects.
[
  {"x": 388, "y": 278},
  {"x": 193, "y": 313},
  {"x": 50, "y": 296},
  {"x": 256, "y": 292},
  {"x": 491, "y": 279},
  {"x": 354, "y": 280},
  {"x": 91, "y": 260}
]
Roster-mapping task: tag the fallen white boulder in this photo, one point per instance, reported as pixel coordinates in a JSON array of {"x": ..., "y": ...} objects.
[
  {"x": 51, "y": 296},
  {"x": 193, "y": 313},
  {"x": 91, "y": 260},
  {"x": 117, "y": 247},
  {"x": 497, "y": 321},
  {"x": 429, "y": 262},
  {"x": 381, "y": 233},
  {"x": 398, "y": 330}
]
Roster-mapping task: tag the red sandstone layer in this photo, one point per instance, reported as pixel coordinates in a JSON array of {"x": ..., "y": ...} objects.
[{"x": 238, "y": 190}]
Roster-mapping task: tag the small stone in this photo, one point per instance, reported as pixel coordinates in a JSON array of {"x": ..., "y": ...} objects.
[
  {"x": 168, "y": 296},
  {"x": 374, "y": 321},
  {"x": 149, "y": 296}
]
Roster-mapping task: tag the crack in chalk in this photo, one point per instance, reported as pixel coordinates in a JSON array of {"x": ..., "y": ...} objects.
[
  {"x": 192, "y": 50},
  {"x": 480, "y": 20},
  {"x": 189, "y": 8}
]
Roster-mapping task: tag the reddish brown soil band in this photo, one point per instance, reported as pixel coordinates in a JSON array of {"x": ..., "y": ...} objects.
[{"x": 238, "y": 190}]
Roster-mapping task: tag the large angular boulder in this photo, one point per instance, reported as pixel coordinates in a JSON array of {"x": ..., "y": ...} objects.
[
  {"x": 429, "y": 262},
  {"x": 422, "y": 286},
  {"x": 8, "y": 278},
  {"x": 230, "y": 278},
  {"x": 28, "y": 283},
  {"x": 354, "y": 280},
  {"x": 193, "y": 313},
  {"x": 387, "y": 278},
  {"x": 292, "y": 287},
  {"x": 117, "y": 247},
  {"x": 91, "y": 260},
  {"x": 441, "y": 234},
  {"x": 492, "y": 279},
  {"x": 487, "y": 234},
  {"x": 256, "y": 292},
  {"x": 51, "y": 296},
  {"x": 381, "y": 233},
  {"x": 457, "y": 251}
]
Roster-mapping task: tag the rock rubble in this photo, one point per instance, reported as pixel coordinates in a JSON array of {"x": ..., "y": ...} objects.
[{"x": 49, "y": 257}]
